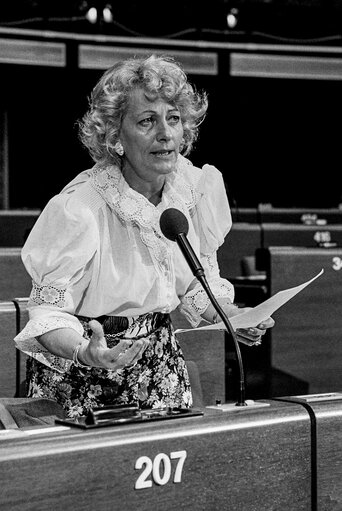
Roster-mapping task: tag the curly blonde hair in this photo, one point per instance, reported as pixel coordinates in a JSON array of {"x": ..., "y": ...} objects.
[{"x": 159, "y": 76}]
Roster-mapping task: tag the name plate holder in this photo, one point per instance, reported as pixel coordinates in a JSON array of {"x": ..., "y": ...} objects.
[{"x": 118, "y": 415}]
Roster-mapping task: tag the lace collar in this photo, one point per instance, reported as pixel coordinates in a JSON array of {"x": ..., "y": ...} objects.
[{"x": 180, "y": 191}]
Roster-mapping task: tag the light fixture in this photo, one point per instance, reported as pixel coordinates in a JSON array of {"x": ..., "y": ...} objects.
[
  {"x": 99, "y": 12},
  {"x": 232, "y": 18},
  {"x": 91, "y": 15},
  {"x": 107, "y": 14}
]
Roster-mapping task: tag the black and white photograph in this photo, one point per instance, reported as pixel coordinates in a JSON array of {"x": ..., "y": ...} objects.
[{"x": 170, "y": 255}]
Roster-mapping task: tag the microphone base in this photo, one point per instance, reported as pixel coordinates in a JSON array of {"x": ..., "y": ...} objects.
[{"x": 233, "y": 407}]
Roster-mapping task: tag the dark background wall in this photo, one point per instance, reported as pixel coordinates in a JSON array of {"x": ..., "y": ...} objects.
[{"x": 275, "y": 139}]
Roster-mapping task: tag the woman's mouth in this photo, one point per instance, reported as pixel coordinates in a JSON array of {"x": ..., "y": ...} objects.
[{"x": 162, "y": 154}]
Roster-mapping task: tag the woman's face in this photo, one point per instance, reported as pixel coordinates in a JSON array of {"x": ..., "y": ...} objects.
[{"x": 151, "y": 134}]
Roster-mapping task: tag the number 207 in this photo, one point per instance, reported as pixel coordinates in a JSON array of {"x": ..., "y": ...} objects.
[{"x": 159, "y": 470}]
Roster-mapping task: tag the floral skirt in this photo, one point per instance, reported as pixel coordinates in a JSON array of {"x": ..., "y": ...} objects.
[{"x": 160, "y": 378}]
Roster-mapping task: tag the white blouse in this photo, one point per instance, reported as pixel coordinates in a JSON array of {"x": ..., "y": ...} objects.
[{"x": 97, "y": 249}]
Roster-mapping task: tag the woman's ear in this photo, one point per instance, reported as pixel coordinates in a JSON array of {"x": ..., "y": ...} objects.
[{"x": 119, "y": 149}]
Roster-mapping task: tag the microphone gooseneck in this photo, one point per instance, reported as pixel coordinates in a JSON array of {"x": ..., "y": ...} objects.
[{"x": 174, "y": 225}]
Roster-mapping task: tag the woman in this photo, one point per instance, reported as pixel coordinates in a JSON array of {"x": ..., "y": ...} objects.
[{"x": 105, "y": 279}]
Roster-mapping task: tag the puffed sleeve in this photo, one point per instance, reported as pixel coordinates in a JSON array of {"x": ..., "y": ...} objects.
[
  {"x": 212, "y": 217},
  {"x": 56, "y": 255},
  {"x": 212, "y": 221}
]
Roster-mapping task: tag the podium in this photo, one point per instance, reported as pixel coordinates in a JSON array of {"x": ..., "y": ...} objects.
[{"x": 248, "y": 460}]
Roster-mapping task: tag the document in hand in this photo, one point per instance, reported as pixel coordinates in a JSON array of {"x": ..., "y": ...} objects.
[{"x": 256, "y": 315}]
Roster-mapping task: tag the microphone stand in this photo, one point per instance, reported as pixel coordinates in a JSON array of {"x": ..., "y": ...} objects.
[{"x": 198, "y": 272}]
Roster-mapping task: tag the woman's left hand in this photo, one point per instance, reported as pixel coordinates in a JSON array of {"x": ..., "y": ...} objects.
[{"x": 254, "y": 334}]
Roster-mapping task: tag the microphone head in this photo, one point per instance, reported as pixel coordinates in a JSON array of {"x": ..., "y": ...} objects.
[{"x": 172, "y": 223}]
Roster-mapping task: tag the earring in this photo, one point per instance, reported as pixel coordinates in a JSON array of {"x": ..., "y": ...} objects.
[{"x": 118, "y": 148}]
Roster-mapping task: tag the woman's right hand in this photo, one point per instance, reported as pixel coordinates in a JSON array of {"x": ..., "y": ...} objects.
[{"x": 96, "y": 353}]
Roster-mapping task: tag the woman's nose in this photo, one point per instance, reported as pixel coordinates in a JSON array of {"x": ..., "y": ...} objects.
[{"x": 164, "y": 130}]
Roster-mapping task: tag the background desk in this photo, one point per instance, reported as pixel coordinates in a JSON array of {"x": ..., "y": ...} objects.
[
  {"x": 307, "y": 338},
  {"x": 296, "y": 235},
  {"x": 299, "y": 215},
  {"x": 268, "y": 214}
]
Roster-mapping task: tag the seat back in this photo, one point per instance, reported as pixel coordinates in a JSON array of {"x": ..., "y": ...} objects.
[
  {"x": 8, "y": 351},
  {"x": 22, "y": 319},
  {"x": 15, "y": 226},
  {"x": 14, "y": 279},
  {"x": 205, "y": 349}
]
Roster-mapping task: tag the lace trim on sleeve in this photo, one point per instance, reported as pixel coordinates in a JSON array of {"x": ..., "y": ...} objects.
[
  {"x": 27, "y": 343},
  {"x": 211, "y": 262},
  {"x": 195, "y": 302},
  {"x": 50, "y": 295}
]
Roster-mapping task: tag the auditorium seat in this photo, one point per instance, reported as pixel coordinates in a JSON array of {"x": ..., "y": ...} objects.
[
  {"x": 22, "y": 319},
  {"x": 14, "y": 279},
  {"x": 15, "y": 226},
  {"x": 242, "y": 240},
  {"x": 204, "y": 353},
  {"x": 8, "y": 328},
  {"x": 248, "y": 268}
]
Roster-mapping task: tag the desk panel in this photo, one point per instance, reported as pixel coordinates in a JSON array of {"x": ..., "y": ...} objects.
[
  {"x": 247, "y": 461},
  {"x": 246, "y": 215},
  {"x": 295, "y": 235},
  {"x": 326, "y": 414},
  {"x": 307, "y": 337},
  {"x": 8, "y": 330},
  {"x": 329, "y": 453},
  {"x": 300, "y": 215}
]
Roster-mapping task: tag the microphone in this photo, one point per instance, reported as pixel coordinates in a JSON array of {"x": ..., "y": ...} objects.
[{"x": 174, "y": 225}]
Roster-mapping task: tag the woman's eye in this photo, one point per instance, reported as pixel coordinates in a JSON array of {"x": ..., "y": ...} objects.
[
  {"x": 174, "y": 119},
  {"x": 146, "y": 122}
]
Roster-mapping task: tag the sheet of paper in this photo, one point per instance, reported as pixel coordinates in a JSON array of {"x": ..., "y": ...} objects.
[{"x": 256, "y": 315}]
